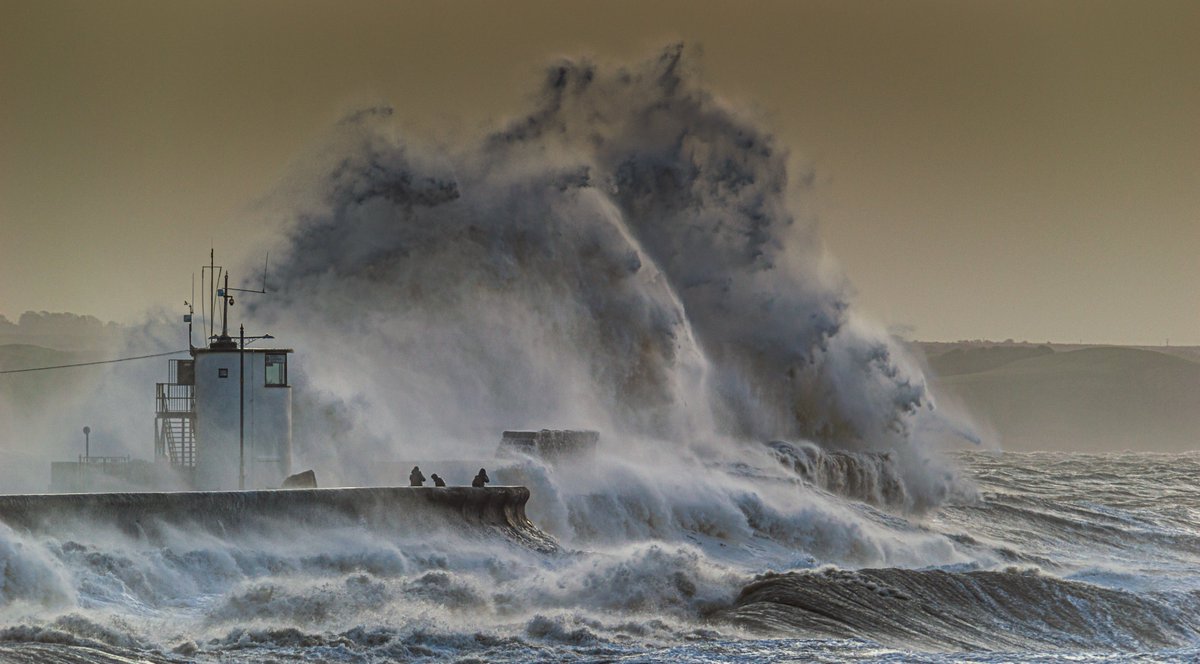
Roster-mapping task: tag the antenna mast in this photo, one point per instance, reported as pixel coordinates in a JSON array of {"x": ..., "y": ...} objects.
[
  {"x": 227, "y": 300},
  {"x": 191, "y": 311},
  {"x": 212, "y": 300},
  {"x": 226, "y": 295},
  {"x": 262, "y": 291},
  {"x": 214, "y": 275}
]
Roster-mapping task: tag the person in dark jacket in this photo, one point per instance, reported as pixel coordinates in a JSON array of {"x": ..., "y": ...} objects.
[
  {"x": 437, "y": 481},
  {"x": 415, "y": 478},
  {"x": 480, "y": 479}
]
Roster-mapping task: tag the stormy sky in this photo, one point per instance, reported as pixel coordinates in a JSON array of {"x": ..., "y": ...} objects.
[{"x": 983, "y": 169}]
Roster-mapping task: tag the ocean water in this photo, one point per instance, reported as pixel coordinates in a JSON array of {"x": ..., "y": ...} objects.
[{"x": 1053, "y": 557}]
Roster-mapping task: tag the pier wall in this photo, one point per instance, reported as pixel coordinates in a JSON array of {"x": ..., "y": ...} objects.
[{"x": 487, "y": 512}]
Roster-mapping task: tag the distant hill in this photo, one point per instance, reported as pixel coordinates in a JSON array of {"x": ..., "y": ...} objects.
[
  {"x": 30, "y": 389},
  {"x": 65, "y": 331},
  {"x": 1094, "y": 398},
  {"x": 24, "y": 356},
  {"x": 972, "y": 360},
  {"x": 933, "y": 349}
]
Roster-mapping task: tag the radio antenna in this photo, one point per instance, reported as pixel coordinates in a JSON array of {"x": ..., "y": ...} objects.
[
  {"x": 212, "y": 297},
  {"x": 225, "y": 293},
  {"x": 191, "y": 311},
  {"x": 203, "y": 315},
  {"x": 214, "y": 273},
  {"x": 262, "y": 290}
]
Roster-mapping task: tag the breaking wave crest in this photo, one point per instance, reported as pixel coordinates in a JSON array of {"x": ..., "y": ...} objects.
[{"x": 978, "y": 610}]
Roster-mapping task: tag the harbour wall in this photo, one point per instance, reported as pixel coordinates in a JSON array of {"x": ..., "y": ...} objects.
[{"x": 487, "y": 512}]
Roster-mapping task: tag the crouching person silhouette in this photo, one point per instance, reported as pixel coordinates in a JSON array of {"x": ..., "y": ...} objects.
[{"x": 480, "y": 479}]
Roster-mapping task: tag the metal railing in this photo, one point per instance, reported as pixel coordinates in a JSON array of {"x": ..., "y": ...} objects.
[
  {"x": 171, "y": 398},
  {"x": 103, "y": 460}
]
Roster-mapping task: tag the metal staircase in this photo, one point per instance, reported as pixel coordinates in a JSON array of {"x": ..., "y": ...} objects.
[{"x": 175, "y": 417}]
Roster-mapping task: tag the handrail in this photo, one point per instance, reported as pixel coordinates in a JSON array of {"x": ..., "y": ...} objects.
[
  {"x": 103, "y": 460},
  {"x": 173, "y": 398}
]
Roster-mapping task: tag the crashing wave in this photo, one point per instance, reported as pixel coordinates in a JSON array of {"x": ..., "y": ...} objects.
[
  {"x": 871, "y": 477},
  {"x": 625, "y": 258}
]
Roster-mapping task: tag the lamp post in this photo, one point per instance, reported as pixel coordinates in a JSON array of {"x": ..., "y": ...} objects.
[{"x": 241, "y": 407}]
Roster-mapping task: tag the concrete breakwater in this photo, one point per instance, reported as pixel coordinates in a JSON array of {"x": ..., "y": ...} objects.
[{"x": 493, "y": 511}]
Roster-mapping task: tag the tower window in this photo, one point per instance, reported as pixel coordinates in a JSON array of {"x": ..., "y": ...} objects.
[{"x": 276, "y": 369}]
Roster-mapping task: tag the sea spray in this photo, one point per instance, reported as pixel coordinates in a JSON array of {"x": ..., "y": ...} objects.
[
  {"x": 623, "y": 257},
  {"x": 31, "y": 575}
]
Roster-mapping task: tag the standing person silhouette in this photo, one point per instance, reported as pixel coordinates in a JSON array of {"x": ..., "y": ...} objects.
[
  {"x": 415, "y": 478},
  {"x": 480, "y": 479}
]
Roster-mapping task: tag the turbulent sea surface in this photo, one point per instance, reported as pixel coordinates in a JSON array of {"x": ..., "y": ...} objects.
[{"x": 1059, "y": 557}]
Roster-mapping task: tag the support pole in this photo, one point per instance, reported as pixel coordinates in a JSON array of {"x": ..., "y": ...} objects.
[{"x": 242, "y": 407}]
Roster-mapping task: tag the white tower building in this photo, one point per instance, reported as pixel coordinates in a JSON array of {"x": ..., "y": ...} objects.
[
  {"x": 224, "y": 421},
  {"x": 243, "y": 417}
]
